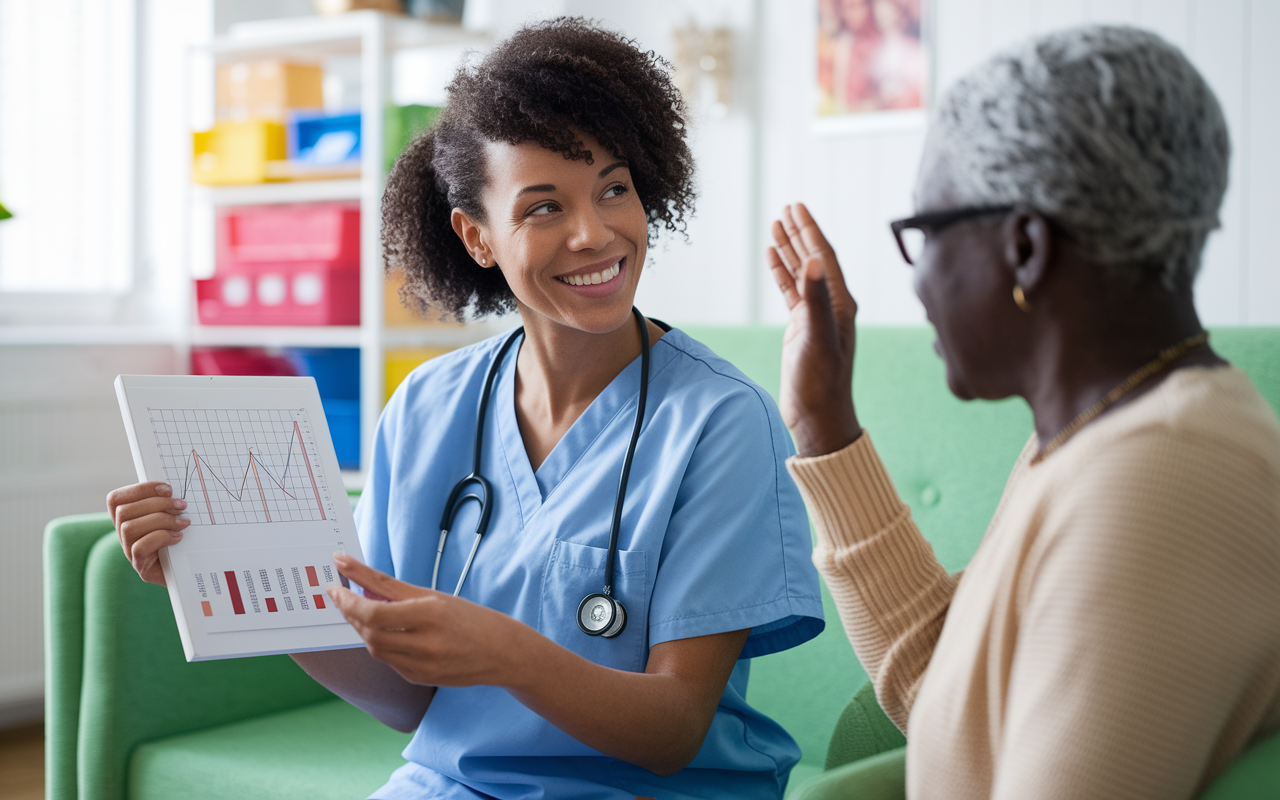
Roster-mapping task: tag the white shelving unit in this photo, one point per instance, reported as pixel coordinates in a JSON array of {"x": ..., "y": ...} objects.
[{"x": 373, "y": 37}]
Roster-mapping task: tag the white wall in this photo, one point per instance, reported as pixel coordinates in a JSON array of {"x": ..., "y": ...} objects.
[{"x": 855, "y": 184}]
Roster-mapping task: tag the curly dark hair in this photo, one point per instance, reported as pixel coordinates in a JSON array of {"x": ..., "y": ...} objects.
[{"x": 548, "y": 80}]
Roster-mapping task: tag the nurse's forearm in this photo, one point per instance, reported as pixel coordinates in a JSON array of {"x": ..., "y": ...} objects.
[
  {"x": 369, "y": 685},
  {"x": 656, "y": 719}
]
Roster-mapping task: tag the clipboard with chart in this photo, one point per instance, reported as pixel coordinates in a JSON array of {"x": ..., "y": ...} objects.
[{"x": 253, "y": 458}]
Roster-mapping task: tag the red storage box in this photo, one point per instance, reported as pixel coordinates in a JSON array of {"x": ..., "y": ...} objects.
[
  {"x": 239, "y": 361},
  {"x": 285, "y": 265},
  {"x": 273, "y": 234},
  {"x": 289, "y": 293}
]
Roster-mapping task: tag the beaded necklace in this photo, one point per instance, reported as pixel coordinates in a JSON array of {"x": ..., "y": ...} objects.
[{"x": 1166, "y": 357}]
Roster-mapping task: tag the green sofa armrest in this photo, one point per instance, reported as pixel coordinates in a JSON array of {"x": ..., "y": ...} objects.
[
  {"x": 862, "y": 731},
  {"x": 134, "y": 684},
  {"x": 67, "y": 542}
]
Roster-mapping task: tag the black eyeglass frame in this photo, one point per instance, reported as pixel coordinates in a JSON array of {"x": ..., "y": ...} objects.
[{"x": 937, "y": 220}]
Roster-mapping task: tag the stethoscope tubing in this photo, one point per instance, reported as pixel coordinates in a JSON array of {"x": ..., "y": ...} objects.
[
  {"x": 483, "y": 492},
  {"x": 459, "y": 495},
  {"x": 616, "y": 526}
]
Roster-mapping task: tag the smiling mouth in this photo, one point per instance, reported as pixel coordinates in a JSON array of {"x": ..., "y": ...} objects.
[{"x": 603, "y": 276}]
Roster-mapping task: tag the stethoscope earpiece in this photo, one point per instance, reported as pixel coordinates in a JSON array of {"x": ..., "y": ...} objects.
[{"x": 601, "y": 615}]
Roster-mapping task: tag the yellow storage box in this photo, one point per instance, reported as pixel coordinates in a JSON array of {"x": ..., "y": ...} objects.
[
  {"x": 237, "y": 152},
  {"x": 397, "y": 315},
  {"x": 399, "y": 363}
]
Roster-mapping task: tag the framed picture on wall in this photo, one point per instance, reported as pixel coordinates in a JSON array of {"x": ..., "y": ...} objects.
[{"x": 872, "y": 65}]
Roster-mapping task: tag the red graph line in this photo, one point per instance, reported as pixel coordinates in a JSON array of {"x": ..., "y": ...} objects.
[
  {"x": 310, "y": 474},
  {"x": 253, "y": 462},
  {"x": 203, "y": 488}
]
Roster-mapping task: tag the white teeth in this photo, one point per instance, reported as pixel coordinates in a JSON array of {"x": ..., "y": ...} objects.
[{"x": 604, "y": 276}]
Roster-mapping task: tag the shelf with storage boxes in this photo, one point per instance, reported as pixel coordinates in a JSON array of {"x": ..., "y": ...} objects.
[{"x": 290, "y": 175}]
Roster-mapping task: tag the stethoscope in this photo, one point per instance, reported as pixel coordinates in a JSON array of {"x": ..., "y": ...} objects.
[{"x": 599, "y": 613}]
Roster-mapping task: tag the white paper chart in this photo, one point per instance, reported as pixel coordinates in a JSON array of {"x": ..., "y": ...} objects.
[
  {"x": 267, "y": 503},
  {"x": 238, "y": 466}
]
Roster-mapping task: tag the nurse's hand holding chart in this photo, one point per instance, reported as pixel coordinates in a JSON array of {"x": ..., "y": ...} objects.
[{"x": 576, "y": 534}]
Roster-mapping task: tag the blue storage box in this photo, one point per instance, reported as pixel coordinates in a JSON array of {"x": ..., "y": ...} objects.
[
  {"x": 343, "y": 417},
  {"x": 320, "y": 139},
  {"x": 337, "y": 374},
  {"x": 336, "y": 369}
]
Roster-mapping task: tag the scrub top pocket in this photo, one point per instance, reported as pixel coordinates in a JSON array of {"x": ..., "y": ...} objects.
[{"x": 577, "y": 570}]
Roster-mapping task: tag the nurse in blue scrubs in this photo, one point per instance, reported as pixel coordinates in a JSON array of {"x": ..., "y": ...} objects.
[{"x": 558, "y": 159}]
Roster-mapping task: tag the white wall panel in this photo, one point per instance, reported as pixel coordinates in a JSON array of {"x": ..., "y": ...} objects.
[
  {"x": 1217, "y": 49},
  {"x": 1262, "y": 129},
  {"x": 1008, "y": 21},
  {"x": 1062, "y": 14},
  {"x": 959, "y": 37},
  {"x": 1169, "y": 18},
  {"x": 64, "y": 448},
  {"x": 1117, "y": 12}
]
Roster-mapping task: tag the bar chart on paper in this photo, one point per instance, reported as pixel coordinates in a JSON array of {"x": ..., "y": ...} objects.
[
  {"x": 240, "y": 466},
  {"x": 270, "y": 587}
]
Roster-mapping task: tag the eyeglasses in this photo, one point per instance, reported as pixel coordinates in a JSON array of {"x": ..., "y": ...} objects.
[{"x": 912, "y": 231}]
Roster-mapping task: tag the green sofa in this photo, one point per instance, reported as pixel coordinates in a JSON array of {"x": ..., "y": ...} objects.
[{"x": 126, "y": 716}]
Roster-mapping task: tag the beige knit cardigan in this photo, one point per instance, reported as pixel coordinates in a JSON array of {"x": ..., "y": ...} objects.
[{"x": 1117, "y": 633}]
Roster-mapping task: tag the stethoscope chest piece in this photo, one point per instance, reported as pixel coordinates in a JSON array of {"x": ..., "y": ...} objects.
[{"x": 601, "y": 615}]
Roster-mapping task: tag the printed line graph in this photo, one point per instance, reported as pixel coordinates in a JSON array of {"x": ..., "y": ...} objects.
[{"x": 239, "y": 466}]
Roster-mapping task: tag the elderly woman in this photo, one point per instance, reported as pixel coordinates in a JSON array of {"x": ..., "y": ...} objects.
[
  {"x": 1117, "y": 633},
  {"x": 643, "y": 542}
]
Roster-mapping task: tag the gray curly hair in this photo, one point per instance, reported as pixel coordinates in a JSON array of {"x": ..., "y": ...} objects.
[{"x": 1108, "y": 131}]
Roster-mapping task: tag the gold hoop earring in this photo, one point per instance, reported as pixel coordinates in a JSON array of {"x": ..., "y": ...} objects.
[{"x": 1021, "y": 299}]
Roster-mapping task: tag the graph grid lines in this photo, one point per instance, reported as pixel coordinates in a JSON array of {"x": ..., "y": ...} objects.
[{"x": 240, "y": 466}]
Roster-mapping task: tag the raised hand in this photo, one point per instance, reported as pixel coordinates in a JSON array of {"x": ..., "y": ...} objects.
[
  {"x": 817, "y": 350},
  {"x": 147, "y": 519},
  {"x": 429, "y": 637}
]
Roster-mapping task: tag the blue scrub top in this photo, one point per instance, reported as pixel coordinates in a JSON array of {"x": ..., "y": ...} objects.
[{"x": 714, "y": 538}]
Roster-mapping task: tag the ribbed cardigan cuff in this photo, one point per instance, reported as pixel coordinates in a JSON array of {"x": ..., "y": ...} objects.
[{"x": 848, "y": 492}]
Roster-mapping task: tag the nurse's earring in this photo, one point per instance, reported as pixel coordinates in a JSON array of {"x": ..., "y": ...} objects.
[{"x": 600, "y": 615}]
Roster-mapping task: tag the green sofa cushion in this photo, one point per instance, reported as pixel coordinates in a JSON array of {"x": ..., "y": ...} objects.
[
  {"x": 332, "y": 750},
  {"x": 1255, "y": 775},
  {"x": 879, "y": 777}
]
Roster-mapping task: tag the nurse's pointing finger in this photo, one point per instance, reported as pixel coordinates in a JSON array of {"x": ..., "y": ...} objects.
[
  {"x": 377, "y": 585},
  {"x": 365, "y": 615}
]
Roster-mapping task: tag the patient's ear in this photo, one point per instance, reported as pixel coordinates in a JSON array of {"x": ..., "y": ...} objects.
[{"x": 1028, "y": 243}]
